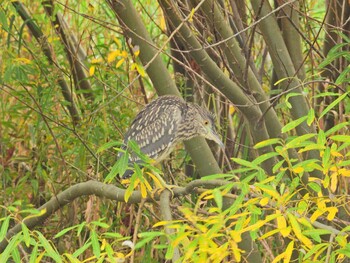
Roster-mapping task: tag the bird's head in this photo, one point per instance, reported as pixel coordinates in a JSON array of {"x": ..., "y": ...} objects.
[{"x": 204, "y": 123}]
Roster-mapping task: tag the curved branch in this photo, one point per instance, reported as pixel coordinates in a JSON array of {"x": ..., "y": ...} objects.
[{"x": 101, "y": 190}]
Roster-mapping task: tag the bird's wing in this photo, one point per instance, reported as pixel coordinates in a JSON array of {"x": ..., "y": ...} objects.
[{"x": 155, "y": 127}]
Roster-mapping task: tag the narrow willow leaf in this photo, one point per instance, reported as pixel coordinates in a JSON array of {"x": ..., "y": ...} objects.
[
  {"x": 298, "y": 140},
  {"x": 267, "y": 143},
  {"x": 61, "y": 233},
  {"x": 95, "y": 244},
  {"x": 49, "y": 250},
  {"x": 293, "y": 124},
  {"x": 288, "y": 252},
  {"x": 14, "y": 241},
  {"x": 333, "y": 104},
  {"x": 341, "y": 138},
  {"x": 82, "y": 249},
  {"x": 297, "y": 231},
  {"x": 310, "y": 117},
  {"x": 218, "y": 198},
  {"x": 4, "y": 227},
  {"x": 26, "y": 235},
  {"x": 336, "y": 128},
  {"x": 108, "y": 145},
  {"x": 245, "y": 163},
  {"x": 343, "y": 77}
]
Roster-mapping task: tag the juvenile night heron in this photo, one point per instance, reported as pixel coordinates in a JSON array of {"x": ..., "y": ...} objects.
[{"x": 165, "y": 122}]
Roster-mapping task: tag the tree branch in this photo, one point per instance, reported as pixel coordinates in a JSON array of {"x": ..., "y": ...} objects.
[{"x": 101, "y": 190}]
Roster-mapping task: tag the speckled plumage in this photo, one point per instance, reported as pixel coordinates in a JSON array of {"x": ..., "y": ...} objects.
[{"x": 165, "y": 122}]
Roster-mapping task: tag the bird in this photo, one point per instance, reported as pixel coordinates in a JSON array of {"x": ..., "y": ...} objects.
[{"x": 164, "y": 123}]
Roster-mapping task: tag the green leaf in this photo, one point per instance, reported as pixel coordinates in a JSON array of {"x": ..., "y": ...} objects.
[
  {"x": 218, "y": 197},
  {"x": 95, "y": 244},
  {"x": 50, "y": 252},
  {"x": 262, "y": 158},
  {"x": 340, "y": 138},
  {"x": 298, "y": 140},
  {"x": 147, "y": 237},
  {"x": 118, "y": 168},
  {"x": 62, "y": 232},
  {"x": 3, "y": 21},
  {"x": 82, "y": 249},
  {"x": 314, "y": 186},
  {"x": 336, "y": 128},
  {"x": 100, "y": 224},
  {"x": 331, "y": 57},
  {"x": 333, "y": 104},
  {"x": 112, "y": 235},
  {"x": 15, "y": 255},
  {"x": 293, "y": 124},
  {"x": 245, "y": 163},
  {"x": 108, "y": 145},
  {"x": 310, "y": 117},
  {"x": 169, "y": 253},
  {"x": 34, "y": 254},
  {"x": 343, "y": 77},
  {"x": 267, "y": 143},
  {"x": 4, "y": 228},
  {"x": 26, "y": 235},
  {"x": 14, "y": 241}
]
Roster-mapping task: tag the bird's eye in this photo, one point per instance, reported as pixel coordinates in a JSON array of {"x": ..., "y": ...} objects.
[{"x": 206, "y": 122}]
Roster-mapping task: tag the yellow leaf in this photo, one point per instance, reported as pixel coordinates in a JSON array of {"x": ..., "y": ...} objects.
[
  {"x": 316, "y": 215},
  {"x": 269, "y": 191},
  {"x": 236, "y": 251},
  {"x": 92, "y": 70},
  {"x": 288, "y": 252},
  {"x": 96, "y": 60},
  {"x": 23, "y": 60},
  {"x": 117, "y": 41},
  {"x": 298, "y": 170},
  {"x": 344, "y": 172},
  {"x": 162, "y": 23},
  {"x": 325, "y": 181},
  {"x": 179, "y": 239},
  {"x": 124, "y": 54},
  {"x": 336, "y": 154},
  {"x": 103, "y": 245},
  {"x": 236, "y": 236},
  {"x": 279, "y": 258},
  {"x": 190, "y": 17},
  {"x": 270, "y": 233},
  {"x": 264, "y": 201},
  {"x": 297, "y": 231},
  {"x": 143, "y": 190},
  {"x": 120, "y": 62},
  {"x": 112, "y": 55},
  {"x": 155, "y": 180},
  {"x": 231, "y": 109},
  {"x": 161, "y": 223},
  {"x": 332, "y": 211},
  {"x": 41, "y": 212},
  {"x": 342, "y": 240},
  {"x": 282, "y": 225},
  {"x": 140, "y": 70},
  {"x": 334, "y": 182},
  {"x": 286, "y": 231},
  {"x": 136, "y": 50}
]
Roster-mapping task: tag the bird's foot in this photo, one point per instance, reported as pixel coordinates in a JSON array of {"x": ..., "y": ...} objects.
[
  {"x": 161, "y": 185},
  {"x": 168, "y": 187}
]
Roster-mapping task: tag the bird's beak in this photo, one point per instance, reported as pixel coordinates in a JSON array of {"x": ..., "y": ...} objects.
[{"x": 212, "y": 135}]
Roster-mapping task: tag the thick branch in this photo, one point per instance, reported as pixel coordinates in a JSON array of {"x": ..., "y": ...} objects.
[
  {"x": 101, "y": 190},
  {"x": 135, "y": 29}
]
